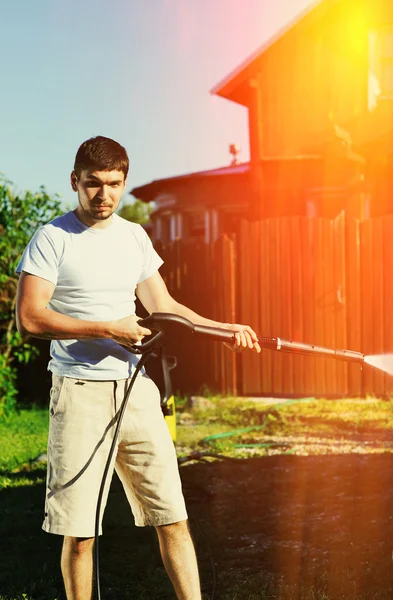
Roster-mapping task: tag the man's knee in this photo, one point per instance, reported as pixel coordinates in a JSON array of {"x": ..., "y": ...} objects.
[
  {"x": 78, "y": 546},
  {"x": 174, "y": 530}
]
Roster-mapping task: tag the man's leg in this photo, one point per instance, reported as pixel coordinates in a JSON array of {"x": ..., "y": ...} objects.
[
  {"x": 178, "y": 556},
  {"x": 77, "y": 567}
]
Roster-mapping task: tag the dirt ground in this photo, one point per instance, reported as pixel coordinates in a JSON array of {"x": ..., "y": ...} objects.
[
  {"x": 280, "y": 527},
  {"x": 322, "y": 523}
]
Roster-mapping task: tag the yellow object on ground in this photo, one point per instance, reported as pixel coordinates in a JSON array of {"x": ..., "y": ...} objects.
[{"x": 170, "y": 417}]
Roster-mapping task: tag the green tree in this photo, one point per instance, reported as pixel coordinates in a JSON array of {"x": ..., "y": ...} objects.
[
  {"x": 138, "y": 212},
  {"x": 20, "y": 217}
]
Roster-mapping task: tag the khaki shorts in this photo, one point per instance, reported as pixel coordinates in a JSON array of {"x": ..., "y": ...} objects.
[{"x": 82, "y": 426}]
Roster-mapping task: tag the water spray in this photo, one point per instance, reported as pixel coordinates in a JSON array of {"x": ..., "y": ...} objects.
[{"x": 383, "y": 362}]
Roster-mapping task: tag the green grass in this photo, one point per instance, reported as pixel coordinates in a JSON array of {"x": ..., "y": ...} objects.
[
  {"x": 320, "y": 413},
  {"x": 338, "y": 419},
  {"x": 304, "y": 427},
  {"x": 23, "y": 437}
]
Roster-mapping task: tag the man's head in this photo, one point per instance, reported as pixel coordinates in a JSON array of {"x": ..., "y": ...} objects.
[
  {"x": 99, "y": 178},
  {"x": 101, "y": 154}
]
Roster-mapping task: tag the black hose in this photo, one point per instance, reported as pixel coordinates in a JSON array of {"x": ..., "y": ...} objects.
[{"x": 120, "y": 416}]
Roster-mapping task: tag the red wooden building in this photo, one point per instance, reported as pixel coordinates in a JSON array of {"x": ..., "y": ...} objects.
[{"x": 319, "y": 97}]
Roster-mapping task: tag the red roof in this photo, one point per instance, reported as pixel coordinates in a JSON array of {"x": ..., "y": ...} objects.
[{"x": 149, "y": 191}]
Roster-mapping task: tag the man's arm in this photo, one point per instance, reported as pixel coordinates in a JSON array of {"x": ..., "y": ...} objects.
[
  {"x": 155, "y": 297},
  {"x": 35, "y": 319}
]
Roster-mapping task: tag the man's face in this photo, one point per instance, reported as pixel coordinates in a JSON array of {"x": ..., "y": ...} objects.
[{"x": 99, "y": 195}]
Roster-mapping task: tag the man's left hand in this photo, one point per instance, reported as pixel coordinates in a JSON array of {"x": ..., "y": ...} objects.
[{"x": 245, "y": 338}]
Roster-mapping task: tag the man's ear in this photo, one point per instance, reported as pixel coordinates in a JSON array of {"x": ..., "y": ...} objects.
[{"x": 74, "y": 180}]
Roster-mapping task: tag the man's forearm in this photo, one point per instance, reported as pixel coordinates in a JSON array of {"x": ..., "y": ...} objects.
[
  {"x": 50, "y": 325},
  {"x": 184, "y": 311}
]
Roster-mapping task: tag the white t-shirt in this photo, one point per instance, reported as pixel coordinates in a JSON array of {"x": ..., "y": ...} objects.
[{"x": 95, "y": 272}]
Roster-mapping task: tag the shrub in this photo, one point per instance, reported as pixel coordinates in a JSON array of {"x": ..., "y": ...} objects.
[{"x": 20, "y": 217}]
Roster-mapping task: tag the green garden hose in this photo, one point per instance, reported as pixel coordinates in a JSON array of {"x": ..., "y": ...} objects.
[{"x": 211, "y": 439}]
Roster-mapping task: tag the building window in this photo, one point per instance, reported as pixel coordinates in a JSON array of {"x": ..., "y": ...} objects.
[
  {"x": 196, "y": 224},
  {"x": 164, "y": 230},
  {"x": 380, "y": 84},
  {"x": 176, "y": 223}
]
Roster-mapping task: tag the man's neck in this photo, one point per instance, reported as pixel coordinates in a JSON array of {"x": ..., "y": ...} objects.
[{"x": 90, "y": 221}]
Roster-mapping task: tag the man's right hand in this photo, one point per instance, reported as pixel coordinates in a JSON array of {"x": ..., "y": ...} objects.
[{"x": 126, "y": 331}]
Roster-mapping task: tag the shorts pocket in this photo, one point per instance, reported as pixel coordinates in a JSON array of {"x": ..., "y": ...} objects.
[
  {"x": 57, "y": 394},
  {"x": 146, "y": 395}
]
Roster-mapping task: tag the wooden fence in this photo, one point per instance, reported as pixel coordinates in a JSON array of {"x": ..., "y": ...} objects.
[
  {"x": 203, "y": 278},
  {"x": 317, "y": 281}
]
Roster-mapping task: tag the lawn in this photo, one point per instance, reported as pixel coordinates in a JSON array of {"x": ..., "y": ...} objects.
[
  {"x": 23, "y": 438},
  {"x": 303, "y": 511}
]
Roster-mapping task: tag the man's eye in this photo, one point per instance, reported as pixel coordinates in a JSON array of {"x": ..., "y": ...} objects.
[{"x": 92, "y": 184}]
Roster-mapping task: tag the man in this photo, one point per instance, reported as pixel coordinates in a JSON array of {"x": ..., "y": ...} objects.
[{"x": 79, "y": 277}]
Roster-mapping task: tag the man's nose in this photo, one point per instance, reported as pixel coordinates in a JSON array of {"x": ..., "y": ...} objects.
[{"x": 103, "y": 193}]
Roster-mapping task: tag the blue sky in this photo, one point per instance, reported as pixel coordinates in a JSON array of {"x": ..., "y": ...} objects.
[{"x": 139, "y": 71}]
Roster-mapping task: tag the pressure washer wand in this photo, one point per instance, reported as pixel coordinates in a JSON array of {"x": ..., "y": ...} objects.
[
  {"x": 172, "y": 324},
  {"x": 309, "y": 349}
]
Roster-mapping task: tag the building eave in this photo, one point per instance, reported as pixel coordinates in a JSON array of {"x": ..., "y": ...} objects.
[
  {"x": 232, "y": 86},
  {"x": 149, "y": 191}
]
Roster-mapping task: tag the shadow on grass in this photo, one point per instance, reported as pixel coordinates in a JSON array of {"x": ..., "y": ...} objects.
[
  {"x": 304, "y": 528},
  {"x": 28, "y": 563}
]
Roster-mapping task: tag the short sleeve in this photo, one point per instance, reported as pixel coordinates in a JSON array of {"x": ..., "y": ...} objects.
[
  {"x": 151, "y": 259},
  {"x": 40, "y": 257}
]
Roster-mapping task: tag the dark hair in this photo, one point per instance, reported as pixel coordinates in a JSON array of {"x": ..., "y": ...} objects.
[{"x": 102, "y": 154}]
